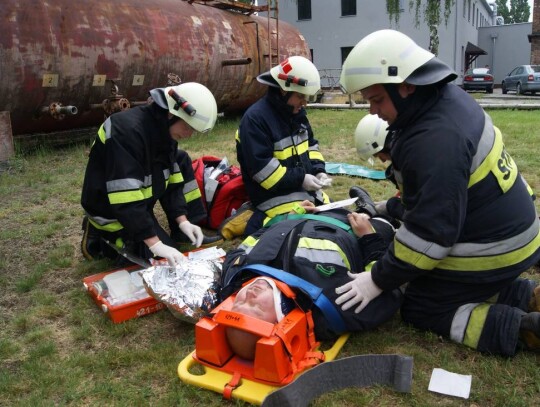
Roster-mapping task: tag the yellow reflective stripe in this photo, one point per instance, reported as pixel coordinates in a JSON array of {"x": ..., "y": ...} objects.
[
  {"x": 280, "y": 209},
  {"x": 291, "y": 151},
  {"x": 273, "y": 179},
  {"x": 176, "y": 178},
  {"x": 316, "y": 155},
  {"x": 323, "y": 244},
  {"x": 101, "y": 134},
  {"x": 192, "y": 195},
  {"x": 237, "y": 136},
  {"x": 499, "y": 163},
  {"x": 479, "y": 263},
  {"x": 250, "y": 241},
  {"x": 325, "y": 197},
  {"x": 130, "y": 196},
  {"x": 475, "y": 325},
  {"x": 414, "y": 258},
  {"x": 109, "y": 227},
  {"x": 490, "y": 262}
]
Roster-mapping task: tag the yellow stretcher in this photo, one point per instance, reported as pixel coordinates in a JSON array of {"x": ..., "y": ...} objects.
[{"x": 248, "y": 390}]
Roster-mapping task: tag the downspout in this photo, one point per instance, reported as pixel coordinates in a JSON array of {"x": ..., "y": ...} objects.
[{"x": 456, "y": 36}]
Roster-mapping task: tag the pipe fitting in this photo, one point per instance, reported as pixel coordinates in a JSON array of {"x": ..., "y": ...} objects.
[{"x": 58, "y": 111}]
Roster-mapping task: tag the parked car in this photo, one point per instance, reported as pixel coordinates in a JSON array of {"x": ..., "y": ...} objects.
[
  {"x": 522, "y": 79},
  {"x": 478, "y": 79}
]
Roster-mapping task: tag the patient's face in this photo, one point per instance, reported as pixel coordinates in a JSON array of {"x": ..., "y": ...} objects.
[{"x": 256, "y": 300}]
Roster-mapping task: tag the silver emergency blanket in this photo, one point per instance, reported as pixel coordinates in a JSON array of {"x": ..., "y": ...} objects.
[{"x": 189, "y": 290}]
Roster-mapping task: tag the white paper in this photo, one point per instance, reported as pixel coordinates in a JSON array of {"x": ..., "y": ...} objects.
[
  {"x": 338, "y": 204},
  {"x": 449, "y": 383},
  {"x": 210, "y": 253}
]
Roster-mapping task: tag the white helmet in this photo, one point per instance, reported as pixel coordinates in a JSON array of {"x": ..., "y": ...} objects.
[
  {"x": 295, "y": 74},
  {"x": 191, "y": 101},
  {"x": 389, "y": 56},
  {"x": 370, "y": 135}
]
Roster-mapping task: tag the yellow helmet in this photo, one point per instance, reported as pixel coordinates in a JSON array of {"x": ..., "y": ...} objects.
[
  {"x": 295, "y": 74},
  {"x": 370, "y": 135},
  {"x": 389, "y": 56}
]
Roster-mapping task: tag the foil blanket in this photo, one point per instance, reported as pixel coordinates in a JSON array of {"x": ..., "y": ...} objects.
[{"x": 188, "y": 290}]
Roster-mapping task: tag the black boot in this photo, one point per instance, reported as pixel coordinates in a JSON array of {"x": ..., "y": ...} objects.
[
  {"x": 530, "y": 330},
  {"x": 91, "y": 241},
  {"x": 180, "y": 238},
  {"x": 364, "y": 203}
]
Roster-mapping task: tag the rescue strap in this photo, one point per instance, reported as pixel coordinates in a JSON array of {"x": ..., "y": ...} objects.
[
  {"x": 333, "y": 317},
  {"x": 354, "y": 371},
  {"x": 322, "y": 218}
]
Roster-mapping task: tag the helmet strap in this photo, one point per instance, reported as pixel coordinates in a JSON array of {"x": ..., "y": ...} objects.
[
  {"x": 172, "y": 119},
  {"x": 400, "y": 103}
]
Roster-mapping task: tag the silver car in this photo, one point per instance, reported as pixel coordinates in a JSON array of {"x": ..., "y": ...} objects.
[{"x": 522, "y": 79}]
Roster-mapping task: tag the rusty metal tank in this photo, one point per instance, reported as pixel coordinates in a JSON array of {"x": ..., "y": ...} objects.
[{"x": 66, "y": 64}]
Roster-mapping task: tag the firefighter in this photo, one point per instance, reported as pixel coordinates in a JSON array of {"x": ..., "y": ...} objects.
[
  {"x": 135, "y": 162},
  {"x": 279, "y": 157},
  {"x": 370, "y": 139},
  {"x": 470, "y": 227}
]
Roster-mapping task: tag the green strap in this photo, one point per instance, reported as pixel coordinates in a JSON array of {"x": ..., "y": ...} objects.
[{"x": 322, "y": 218}]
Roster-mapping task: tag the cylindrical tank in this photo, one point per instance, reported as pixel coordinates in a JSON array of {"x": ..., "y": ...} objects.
[{"x": 63, "y": 63}]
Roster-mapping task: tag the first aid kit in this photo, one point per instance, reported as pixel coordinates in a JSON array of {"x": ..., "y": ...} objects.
[{"x": 121, "y": 294}]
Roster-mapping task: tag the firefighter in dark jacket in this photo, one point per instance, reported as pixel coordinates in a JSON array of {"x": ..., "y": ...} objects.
[
  {"x": 279, "y": 157},
  {"x": 469, "y": 226},
  {"x": 326, "y": 249},
  {"x": 135, "y": 162}
]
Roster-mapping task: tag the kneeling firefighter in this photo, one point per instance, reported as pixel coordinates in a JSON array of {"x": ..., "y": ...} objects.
[{"x": 135, "y": 162}]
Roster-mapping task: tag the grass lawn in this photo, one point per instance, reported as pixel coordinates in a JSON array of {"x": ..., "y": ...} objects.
[{"x": 58, "y": 348}]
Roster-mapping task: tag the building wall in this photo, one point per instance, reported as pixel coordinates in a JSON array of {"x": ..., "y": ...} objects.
[
  {"x": 507, "y": 46},
  {"x": 328, "y": 31}
]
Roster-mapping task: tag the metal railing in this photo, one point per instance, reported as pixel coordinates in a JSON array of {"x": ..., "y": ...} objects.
[{"x": 330, "y": 78}]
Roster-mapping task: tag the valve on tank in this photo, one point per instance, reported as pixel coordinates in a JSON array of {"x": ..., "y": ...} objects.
[
  {"x": 116, "y": 103},
  {"x": 58, "y": 111}
]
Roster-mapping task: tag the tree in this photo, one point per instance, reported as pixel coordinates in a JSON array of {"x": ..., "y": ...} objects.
[
  {"x": 518, "y": 12},
  {"x": 434, "y": 11}
]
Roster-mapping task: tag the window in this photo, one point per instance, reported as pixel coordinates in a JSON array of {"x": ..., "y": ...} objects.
[
  {"x": 348, "y": 7},
  {"x": 345, "y": 53},
  {"x": 304, "y": 9},
  {"x": 473, "y": 10}
]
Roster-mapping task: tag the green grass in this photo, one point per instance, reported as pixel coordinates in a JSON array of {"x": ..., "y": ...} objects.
[{"x": 58, "y": 348}]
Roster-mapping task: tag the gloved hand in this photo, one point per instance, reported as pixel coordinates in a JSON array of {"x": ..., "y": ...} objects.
[
  {"x": 326, "y": 181},
  {"x": 193, "y": 232},
  {"x": 170, "y": 253},
  {"x": 380, "y": 207},
  {"x": 361, "y": 290},
  {"x": 311, "y": 183}
]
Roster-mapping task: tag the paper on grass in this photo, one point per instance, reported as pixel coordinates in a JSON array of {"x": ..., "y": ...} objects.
[
  {"x": 453, "y": 384},
  {"x": 338, "y": 204}
]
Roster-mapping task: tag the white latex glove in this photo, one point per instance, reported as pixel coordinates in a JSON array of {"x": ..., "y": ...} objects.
[
  {"x": 380, "y": 207},
  {"x": 193, "y": 232},
  {"x": 170, "y": 253},
  {"x": 326, "y": 181},
  {"x": 311, "y": 183},
  {"x": 360, "y": 290}
]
